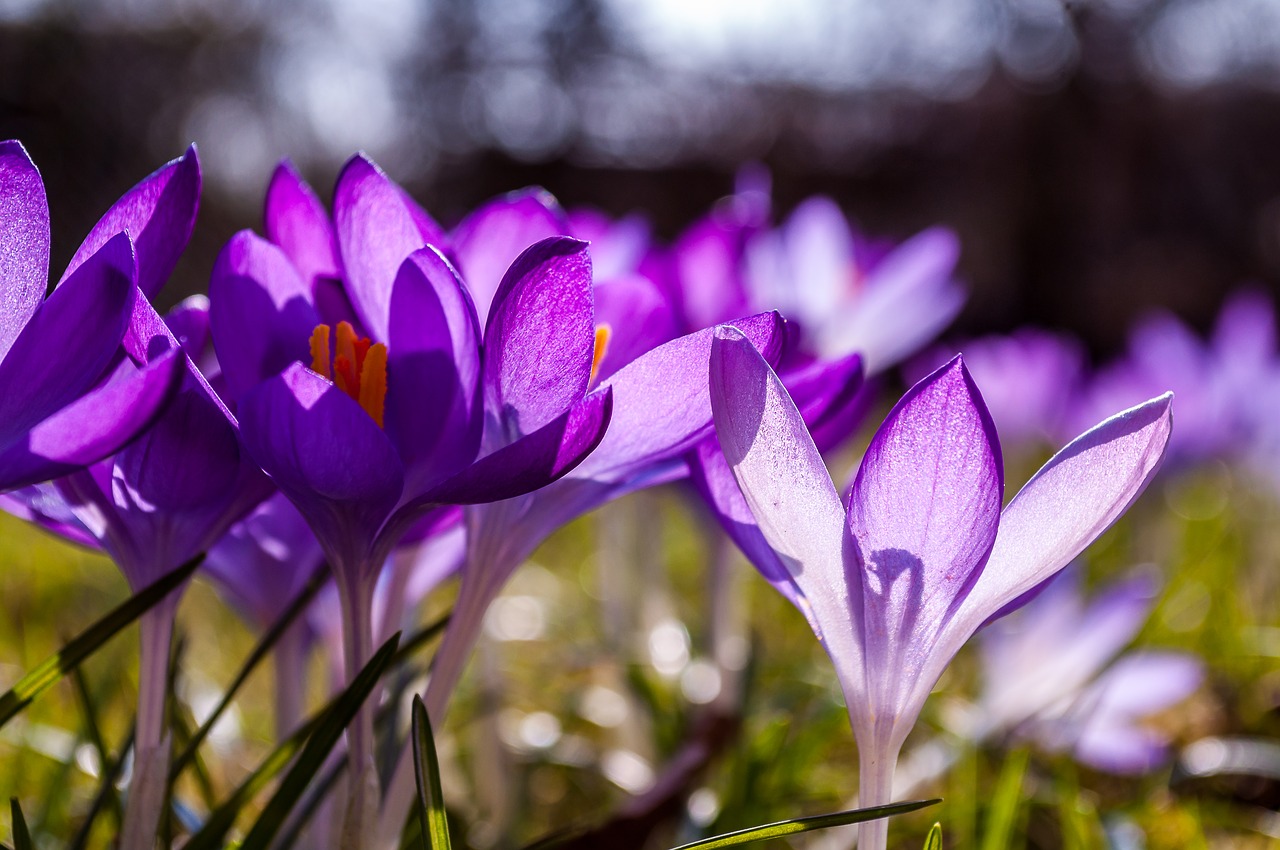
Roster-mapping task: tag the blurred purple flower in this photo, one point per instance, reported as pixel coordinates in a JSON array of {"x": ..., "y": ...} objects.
[
  {"x": 923, "y": 555},
  {"x": 67, "y": 398},
  {"x": 1051, "y": 673}
]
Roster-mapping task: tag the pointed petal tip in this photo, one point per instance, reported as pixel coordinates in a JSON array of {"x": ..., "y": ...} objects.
[{"x": 13, "y": 147}]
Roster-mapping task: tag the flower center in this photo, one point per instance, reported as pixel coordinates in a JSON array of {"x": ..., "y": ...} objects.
[
  {"x": 603, "y": 333},
  {"x": 358, "y": 367}
]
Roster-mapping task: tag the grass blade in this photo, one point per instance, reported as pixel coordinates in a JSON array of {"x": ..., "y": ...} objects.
[
  {"x": 426, "y": 770},
  {"x": 21, "y": 835},
  {"x": 1007, "y": 800},
  {"x": 933, "y": 841},
  {"x": 797, "y": 825},
  {"x": 269, "y": 640},
  {"x": 317, "y": 749},
  {"x": 106, "y": 794},
  {"x": 89, "y": 641}
]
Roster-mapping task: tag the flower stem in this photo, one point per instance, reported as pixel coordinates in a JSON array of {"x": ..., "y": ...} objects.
[
  {"x": 875, "y": 788},
  {"x": 357, "y": 636}
]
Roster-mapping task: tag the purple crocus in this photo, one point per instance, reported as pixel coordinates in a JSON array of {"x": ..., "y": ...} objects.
[
  {"x": 368, "y": 389},
  {"x": 1052, "y": 671},
  {"x": 922, "y": 556},
  {"x": 68, "y": 399}
]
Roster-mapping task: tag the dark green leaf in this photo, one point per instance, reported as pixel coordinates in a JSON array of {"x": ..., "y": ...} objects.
[
  {"x": 796, "y": 825},
  {"x": 21, "y": 836},
  {"x": 933, "y": 841},
  {"x": 1006, "y": 802},
  {"x": 426, "y": 770},
  {"x": 317, "y": 749},
  {"x": 69, "y": 657},
  {"x": 260, "y": 652}
]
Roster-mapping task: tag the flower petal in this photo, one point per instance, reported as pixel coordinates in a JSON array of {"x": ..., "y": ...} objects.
[
  {"x": 540, "y": 338},
  {"x": 69, "y": 342},
  {"x": 433, "y": 368},
  {"x": 923, "y": 511},
  {"x": 327, "y": 455},
  {"x": 1072, "y": 499},
  {"x": 261, "y": 314},
  {"x": 830, "y": 396},
  {"x": 639, "y": 317},
  {"x": 159, "y": 215},
  {"x": 488, "y": 241},
  {"x": 93, "y": 426},
  {"x": 24, "y": 241},
  {"x": 297, "y": 222},
  {"x": 378, "y": 227},
  {"x": 532, "y": 461},
  {"x": 189, "y": 324},
  {"x": 662, "y": 403}
]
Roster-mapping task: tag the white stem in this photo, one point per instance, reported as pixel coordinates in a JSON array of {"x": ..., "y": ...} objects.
[
  {"x": 291, "y": 678},
  {"x": 875, "y": 788},
  {"x": 357, "y": 635}
]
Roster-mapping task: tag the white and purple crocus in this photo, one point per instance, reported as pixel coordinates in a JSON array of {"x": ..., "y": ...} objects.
[{"x": 894, "y": 583}]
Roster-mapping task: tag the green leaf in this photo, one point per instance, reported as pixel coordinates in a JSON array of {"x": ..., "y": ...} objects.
[
  {"x": 933, "y": 841},
  {"x": 426, "y": 770},
  {"x": 796, "y": 825},
  {"x": 317, "y": 749},
  {"x": 281, "y": 625},
  {"x": 89, "y": 641},
  {"x": 21, "y": 835},
  {"x": 1006, "y": 802},
  {"x": 419, "y": 639}
]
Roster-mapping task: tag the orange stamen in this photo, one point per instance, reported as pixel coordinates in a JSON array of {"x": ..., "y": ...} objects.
[
  {"x": 320, "y": 351},
  {"x": 373, "y": 382},
  {"x": 603, "y": 333}
]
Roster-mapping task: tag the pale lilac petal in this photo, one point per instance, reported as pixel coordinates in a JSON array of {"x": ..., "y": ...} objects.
[
  {"x": 923, "y": 512},
  {"x": 69, "y": 342},
  {"x": 94, "y": 426},
  {"x": 24, "y": 242},
  {"x": 1145, "y": 682},
  {"x": 159, "y": 215},
  {"x": 1072, "y": 499},
  {"x": 662, "y": 405},
  {"x": 261, "y": 314},
  {"x": 786, "y": 485},
  {"x": 488, "y": 241},
  {"x": 378, "y": 227},
  {"x": 297, "y": 222},
  {"x": 540, "y": 338},
  {"x": 708, "y": 257},
  {"x": 432, "y": 407}
]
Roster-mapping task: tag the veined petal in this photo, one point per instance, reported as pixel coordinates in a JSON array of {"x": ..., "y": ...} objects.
[
  {"x": 159, "y": 215},
  {"x": 327, "y": 455},
  {"x": 432, "y": 406},
  {"x": 662, "y": 403},
  {"x": 378, "y": 227},
  {"x": 785, "y": 483},
  {"x": 94, "y": 426},
  {"x": 488, "y": 241},
  {"x": 24, "y": 241},
  {"x": 923, "y": 512},
  {"x": 532, "y": 461},
  {"x": 296, "y": 221},
  {"x": 540, "y": 338},
  {"x": 261, "y": 314},
  {"x": 69, "y": 342},
  {"x": 1074, "y": 497}
]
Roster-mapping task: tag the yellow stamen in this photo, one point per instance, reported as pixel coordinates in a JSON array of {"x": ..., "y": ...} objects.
[
  {"x": 320, "y": 351},
  {"x": 603, "y": 333}
]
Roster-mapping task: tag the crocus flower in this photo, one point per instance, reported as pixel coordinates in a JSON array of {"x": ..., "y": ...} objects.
[
  {"x": 923, "y": 555},
  {"x": 375, "y": 397},
  {"x": 1052, "y": 671},
  {"x": 68, "y": 399}
]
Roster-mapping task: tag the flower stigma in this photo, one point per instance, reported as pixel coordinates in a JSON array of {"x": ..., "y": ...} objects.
[
  {"x": 603, "y": 333},
  {"x": 358, "y": 367}
]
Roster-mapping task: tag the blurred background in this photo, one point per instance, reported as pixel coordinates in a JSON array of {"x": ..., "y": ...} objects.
[{"x": 1096, "y": 157}]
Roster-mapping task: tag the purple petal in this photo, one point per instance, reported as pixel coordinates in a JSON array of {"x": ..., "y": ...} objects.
[
  {"x": 708, "y": 259},
  {"x": 24, "y": 242},
  {"x": 662, "y": 403},
  {"x": 325, "y": 452},
  {"x": 94, "y": 426},
  {"x": 378, "y": 227},
  {"x": 261, "y": 313},
  {"x": 1072, "y": 499},
  {"x": 786, "y": 485},
  {"x": 44, "y": 506},
  {"x": 830, "y": 397},
  {"x": 532, "y": 461},
  {"x": 433, "y": 368},
  {"x": 488, "y": 241},
  {"x": 69, "y": 342},
  {"x": 159, "y": 215},
  {"x": 297, "y": 222},
  {"x": 639, "y": 316},
  {"x": 189, "y": 324},
  {"x": 540, "y": 338}
]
